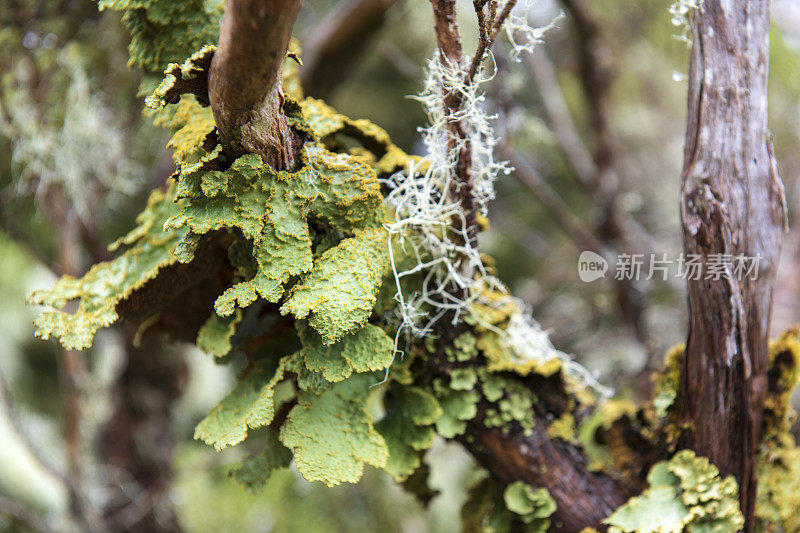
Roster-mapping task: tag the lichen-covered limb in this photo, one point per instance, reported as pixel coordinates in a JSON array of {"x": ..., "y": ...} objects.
[
  {"x": 509, "y": 429},
  {"x": 732, "y": 203},
  {"x": 451, "y": 54},
  {"x": 583, "y": 498},
  {"x": 244, "y": 83}
]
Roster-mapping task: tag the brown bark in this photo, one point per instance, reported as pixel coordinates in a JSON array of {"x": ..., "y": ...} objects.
[
  {"x": 339, "y": 41},
  {"x": 245, "y": 85},
  {"x": 583, "y": 498},
  {"x": 732, "y": 203}
]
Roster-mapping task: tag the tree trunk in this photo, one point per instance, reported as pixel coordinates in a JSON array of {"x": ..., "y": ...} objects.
[{"x": 732, "y": 203}]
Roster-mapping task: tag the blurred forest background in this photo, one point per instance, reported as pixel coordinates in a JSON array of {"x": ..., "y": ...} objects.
[{"x": 96, "y": 432}]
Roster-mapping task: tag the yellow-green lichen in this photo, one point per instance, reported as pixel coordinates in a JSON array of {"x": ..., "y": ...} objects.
[
  {"x": 783, "y": 376},
  {"x": 165, "y": 31},
  {"x": 248, "y": 406},
  {"x": 331, "y": 435},
  {"x": 407, "y": 428},
  {"x": 458, "y": 406},
  {"x": 366, "y": 350},
  {"x": 778, "y": 465},
  {"x": 463, "y": 348},
  {"x": 255, "y": 471},
  {"x": 500, "y": 358},
  {"x": 533, "y": 506},
  {"x": 667, "y": 382},
  {"x": 215, "y": 335},
  {"x": 562, "y": 428},
  {"x": 326, "y": 122},
  {"x": 463, "y": 378},
  {"x": 685, "y": 493},
  {"x": 513, "y": 409},
  {"x": 100, "y": 291},
  {"x": 778, "y": 496}
]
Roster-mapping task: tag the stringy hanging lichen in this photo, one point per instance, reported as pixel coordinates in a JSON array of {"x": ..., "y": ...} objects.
[{"x": 428, "y": 226}]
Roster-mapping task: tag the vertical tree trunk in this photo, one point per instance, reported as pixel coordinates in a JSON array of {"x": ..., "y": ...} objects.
[{"x": 731, "y": 203}]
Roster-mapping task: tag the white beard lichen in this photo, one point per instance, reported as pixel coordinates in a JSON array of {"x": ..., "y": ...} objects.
[{"x": 428, "y": 220}]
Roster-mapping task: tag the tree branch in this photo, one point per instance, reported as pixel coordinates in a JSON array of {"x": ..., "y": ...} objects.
[
  {"x": 583, "y": 498},
  {"x": 558, "y": 116},
  {"x": 245, "y": 84},
  {"x": 449, "y": 42},
  {"x": 732, "y": 202},
  {"x": 338, "y": 42}
]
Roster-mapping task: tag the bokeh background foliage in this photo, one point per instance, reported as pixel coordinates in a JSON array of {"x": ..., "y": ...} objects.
[{"x": 74, "y": 146}]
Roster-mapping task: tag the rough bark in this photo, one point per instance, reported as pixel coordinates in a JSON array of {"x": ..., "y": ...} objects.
[
  {"x": 245, "y": 84},
  {"x": 583, "y": 498},
  {"x": 339, "y": 41},
  {"x": 732, "y": 203}
]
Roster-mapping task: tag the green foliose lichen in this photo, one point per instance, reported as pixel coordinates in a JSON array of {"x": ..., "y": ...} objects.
[
  {"x": 215, "y": 335},
  {"x": 249, "y": 405},
  {"x": 407, "y": 428},
  {"x": 366, "y": 350},
  {"x": 150, "y": 249},
  {"x": 458, "y": 407},
  {"x": 255, "y": 471},
  {"x": 166, "y": 31},
  {"x": 486, "y": 512},
  {"x": 686, "y": 493},
  {"x": 512, "y": 403},
  {"x": 331, "y": 435},
  {"x": 534, "y": 506},
  {"x": 463, "y": 348}
]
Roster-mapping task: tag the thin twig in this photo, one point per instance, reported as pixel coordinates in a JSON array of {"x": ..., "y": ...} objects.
[
  {"x": 488, "y": 35},
  {"x": 561, "y": 123},
  {"x": 527, "y": 175}
]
